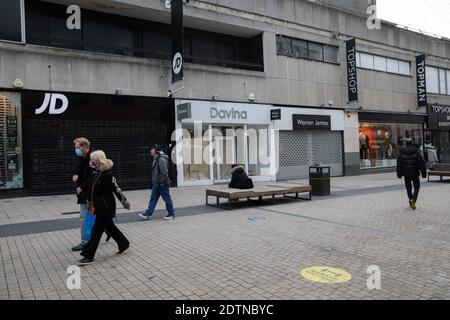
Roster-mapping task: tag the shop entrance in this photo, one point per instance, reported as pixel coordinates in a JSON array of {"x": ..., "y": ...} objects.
[
  {"x": 228, "y": 149},
  {"x": 209, "y": 159}
]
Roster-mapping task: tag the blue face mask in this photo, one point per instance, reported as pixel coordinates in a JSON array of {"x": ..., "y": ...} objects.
[{"x": 79, "y": 152}]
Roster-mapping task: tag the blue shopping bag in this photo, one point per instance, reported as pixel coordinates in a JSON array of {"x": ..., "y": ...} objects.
[{"x": 88, "y": 224}]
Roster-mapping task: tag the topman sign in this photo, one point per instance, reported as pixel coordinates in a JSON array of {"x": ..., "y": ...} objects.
[{"x": 421, "y": 81}]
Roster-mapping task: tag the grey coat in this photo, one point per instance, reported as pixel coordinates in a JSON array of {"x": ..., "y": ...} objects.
[{"x": 160, "y": 170}]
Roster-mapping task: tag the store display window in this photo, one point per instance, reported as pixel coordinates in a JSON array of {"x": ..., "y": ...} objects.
[
  {"x": 380, "y": 144},
  {"x": 11, "y": 164}
]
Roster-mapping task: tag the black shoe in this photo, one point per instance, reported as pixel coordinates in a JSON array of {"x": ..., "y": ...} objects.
[
  {"x": 108, "y": 237},
  {"x": 85, "y": 262},
  {"x": 169, "y": 217},
  {"x": 123, "y": 249},
  {"x": 79, "y": 247}
]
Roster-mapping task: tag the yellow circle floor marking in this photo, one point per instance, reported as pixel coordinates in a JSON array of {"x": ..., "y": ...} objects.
[{"x": 326, "y": 275}]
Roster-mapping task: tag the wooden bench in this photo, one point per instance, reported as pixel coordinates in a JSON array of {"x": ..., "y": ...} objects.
[
  {"x": 442, "y": 170},
  {"x": 286, "y": 190}
]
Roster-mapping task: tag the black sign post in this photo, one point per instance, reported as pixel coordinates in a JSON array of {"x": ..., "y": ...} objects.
[
  {"x": 421, "y": 81},
  {"x": 311, "y": 122},
  {"x": 275, "y": 114},
  {"x": 184, "y": 111},
  {"x": 352, "y": 79},
  {"x": 177, "y": 40}
]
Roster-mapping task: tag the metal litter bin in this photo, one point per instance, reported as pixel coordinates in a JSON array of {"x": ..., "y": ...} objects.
[{"x": 319, "y": 179}]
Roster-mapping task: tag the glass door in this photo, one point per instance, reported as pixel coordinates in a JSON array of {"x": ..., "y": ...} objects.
[
  {"x": 196, "y": 154},
  {"x": 227, "y": 149}
]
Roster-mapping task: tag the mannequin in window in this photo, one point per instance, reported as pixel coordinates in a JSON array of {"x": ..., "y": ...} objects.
[
  {"x": 387, "y": 145},
  {"x": 363, "y": 145}
]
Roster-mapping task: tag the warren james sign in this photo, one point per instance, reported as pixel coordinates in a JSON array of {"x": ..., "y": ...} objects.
[{"x": 311, "y": 122}]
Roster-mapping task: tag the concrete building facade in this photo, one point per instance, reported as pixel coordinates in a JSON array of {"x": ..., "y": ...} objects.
[{"x": 288, "y": 55}]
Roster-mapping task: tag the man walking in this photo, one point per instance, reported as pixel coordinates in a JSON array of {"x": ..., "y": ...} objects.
[
  {"x": 410, "y": 164},
  {"x": 160, "y": 184},
  {"x": 80, "y": 177}
]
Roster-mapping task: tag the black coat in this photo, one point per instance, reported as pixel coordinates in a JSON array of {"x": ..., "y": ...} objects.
[
  {"x": 84, "y": 173},
  {"x": 410, "y": 162},
  {"x": 102, "y": 188},
  {"x": 239, "y": 179}
]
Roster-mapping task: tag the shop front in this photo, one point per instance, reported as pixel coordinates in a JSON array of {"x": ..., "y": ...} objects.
[
  {"x": 381, "y": 134},
  {"x": 439, "y": 130},
  {"x": 123, "y": 126},
  {"x": 11, "y": 158},
  {"x": 309, "y": 137},
  {"x": 212, "y": 136}
]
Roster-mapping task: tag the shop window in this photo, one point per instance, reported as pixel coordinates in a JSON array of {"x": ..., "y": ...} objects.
[
  {"x": 123, "y": 35},
  {"x": 380, "y": 143},
  {"x": 11, "y": 163},
  {"x": 60, "y": 35},
  {"x": 299, "y": 49},
  {"x": 315, "y": 51},
  {"x": 127, "y": 38},
  {"x": 330, "y": 54},
  {"x": 432, "y": 75},
  {"x": 442, "y": 81},
  {"x": 384, "y": 64},
  {"x": 194, "y": 151},
  {"x": 380, "y": 63},
  {"x": 366, "y": 61},
  {"x": 11, "y": 20},
  {"x": 258, "y": 146},
  {"x": 404, "y": 67},
  {"x": 448, "y": 82},
  {"x": 392, "y": 65},
  {"x": 284, "y": 45},
  {"x": 225, "y": 53}
]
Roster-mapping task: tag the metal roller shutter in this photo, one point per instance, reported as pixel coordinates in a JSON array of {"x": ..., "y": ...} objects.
[
  {"x": 125, "y": 133},
  {"x": 297, "y": 150}
]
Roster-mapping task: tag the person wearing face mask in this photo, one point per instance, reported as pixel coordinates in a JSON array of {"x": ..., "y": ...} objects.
[
  {"x": 81, "y": 177},
  {"x": 102, "y": 204}
]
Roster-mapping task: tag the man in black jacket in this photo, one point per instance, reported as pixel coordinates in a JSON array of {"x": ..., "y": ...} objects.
[
  {"x": 410, "y": 164},
  {"x": 80, "y": 177}
]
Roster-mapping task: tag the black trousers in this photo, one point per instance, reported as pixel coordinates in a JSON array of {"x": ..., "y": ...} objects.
[
  {"x": 409, "y": 183},
  {"x": 103, "y": 224}
]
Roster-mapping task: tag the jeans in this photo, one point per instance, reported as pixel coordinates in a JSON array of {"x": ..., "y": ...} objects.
[
  {"x": 158, "y": 191},
  {"x": 409, "y": 182},
  {"x": 83, "y": 211}
]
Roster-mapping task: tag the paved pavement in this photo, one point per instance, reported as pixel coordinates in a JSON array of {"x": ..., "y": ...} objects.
[{"x": 248, "y": 253}]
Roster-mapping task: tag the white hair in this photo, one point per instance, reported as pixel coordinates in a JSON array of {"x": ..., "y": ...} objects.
[{"x": 100, "y": 156}]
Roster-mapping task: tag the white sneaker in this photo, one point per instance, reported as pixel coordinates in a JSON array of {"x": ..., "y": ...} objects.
[
  {"x": 144, "y": 216},
  {"x": 169, "y": 217}
]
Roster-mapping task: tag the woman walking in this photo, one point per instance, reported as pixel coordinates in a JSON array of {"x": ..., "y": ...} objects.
[{"x": 102, "y": 188}]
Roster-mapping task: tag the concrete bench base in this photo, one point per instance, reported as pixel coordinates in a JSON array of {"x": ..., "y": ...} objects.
[{"x": 271, "y": 191}]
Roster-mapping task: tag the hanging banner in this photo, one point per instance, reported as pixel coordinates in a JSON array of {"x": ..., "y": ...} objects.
[
  {"x": 421, "y": 81},
  {"x": 352, "y": 79},
  {"x": 177, "y": 40}
]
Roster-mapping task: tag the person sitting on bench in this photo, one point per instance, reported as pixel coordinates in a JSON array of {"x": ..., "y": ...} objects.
[{"x": 239, "y": 178}]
